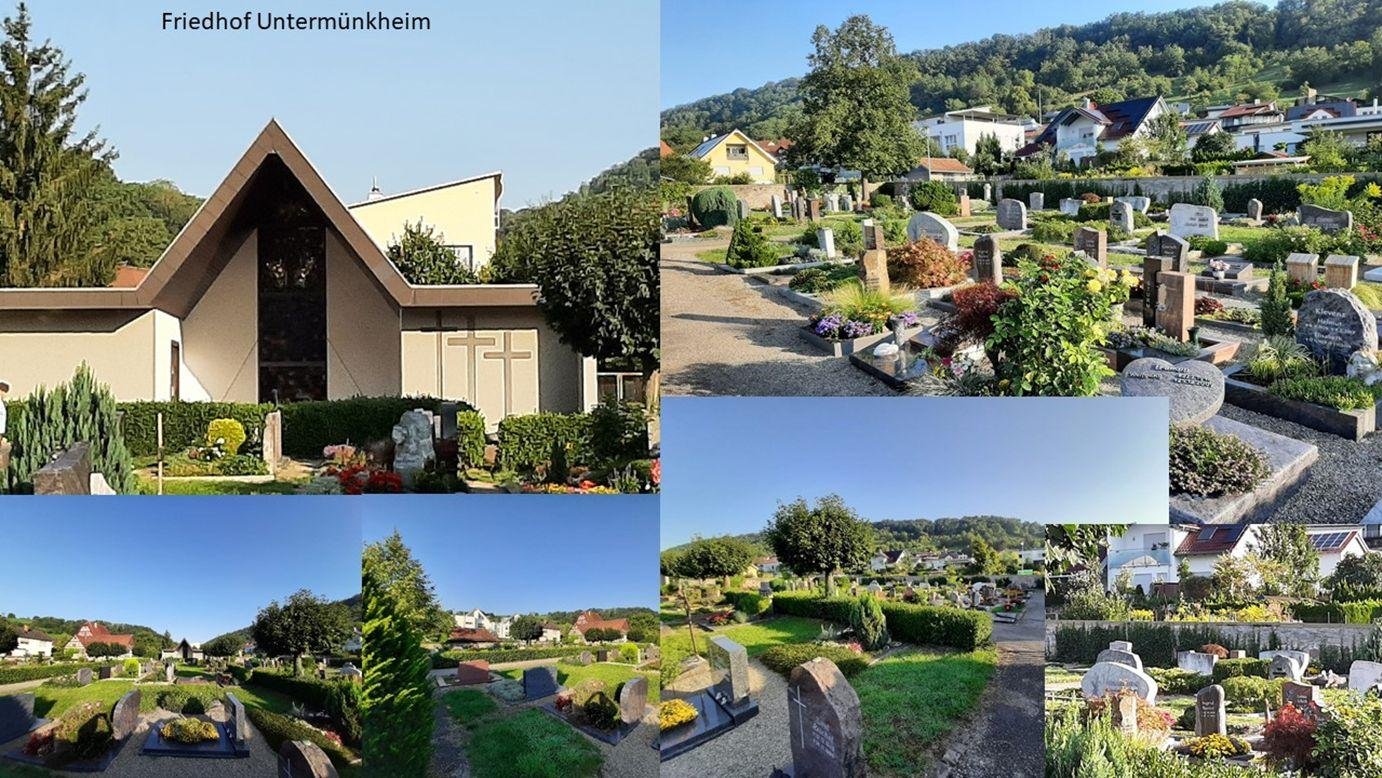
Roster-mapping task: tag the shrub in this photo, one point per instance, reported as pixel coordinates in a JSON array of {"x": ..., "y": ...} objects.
[
  {"x": 934, "y": 196},
  {"x": 1053, "y": 231},
  {"x": 22, "y": 673},
  {"x": 851, "y": 311},
  {"x": 1208, "y": 192},
  {"x": 1280, "y": 356},
  {"x": 48, "y": 422},
  {"x": 86, "y": 730},
  {"x": 1289, "y": 739},
  {"x": 1356, "y": 612},
  {"x": 185, "y": 424},
  {"x": 194, "y": 706},
  {"x": 867, "y": 621},
  {"x": 314, "y": 692},
  {"x": 173, "y": 700},
  {"x": 1173, "y": 680},
  {"x": 1279, "y": 242},
  {"x": 618, "y": 431},
  {"x": 228, "y": 433},
  {"x": 628, "y": 653},
  {"x": 1204, "y": 463},
  {"x": 782, "y": 658},
  {"x": 1333, "y": 391},
  {"x": 849, "y": 238},
  {"x": 674, "y": 713},
  {"x": 1349, "y": 742},
  {"x": 449, "y": 659},
  {"x": 975, "y": 307},
  {"x": 751, "y": 603},
  {"x": 1248, "y": 693},
  {"x": 526, "y": 443},
  {"x": 277, "y": 729},
  {"x": 601, "y": 711},
  {"x": 1207, "y": 305},
  {"x": 130, "y": 668},
  {"x": 1237, "y": 668},
  {"x": 1276, "y": 305},
  {"x": 926, "y": 264},
  {"x": 1215, "y": 746},
  {"x": 184, "y": 730},
  {"x": 714, "y": 207},
  {"x": 1211, "y": 247},
  {"x": 749, "y": 247},
  {"x": 309, "y": 427},
  {"x": 881, "y": 201},
  {"x": 470, "y": 438}
]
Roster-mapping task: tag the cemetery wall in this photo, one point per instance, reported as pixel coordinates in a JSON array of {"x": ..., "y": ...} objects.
[
  {"x": 1158, "y": 188},
  {"x": 1287, "y": 635},
  {"x": 758, "y": 196}
]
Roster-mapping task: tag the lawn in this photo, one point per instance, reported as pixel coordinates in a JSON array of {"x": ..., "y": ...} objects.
[
  {"x": 756, "y": 637},
  {"x": 468, "y": 706},
  {"x": 911, "y": 701},
  {"x": 51, "y": 701},
  {"x": 1059, "y": 676},
  {"x": 531, "y": 744},
  {"x": 186, "y": 487},
  {"x": 611, "y": 673}
]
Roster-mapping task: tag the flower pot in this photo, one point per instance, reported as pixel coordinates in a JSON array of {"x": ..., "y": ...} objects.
[{"x": 1219, "y": 274}]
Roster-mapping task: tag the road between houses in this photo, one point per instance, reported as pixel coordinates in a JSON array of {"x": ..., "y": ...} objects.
[
  {"x": 1004, "y": 739},
  {"x": 724, "y": 335}
]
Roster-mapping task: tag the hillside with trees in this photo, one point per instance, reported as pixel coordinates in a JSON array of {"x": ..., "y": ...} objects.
[
  {"x": 950, "y": 534},
  {"x": 147, "y": 641},
  {"x": 1237, "y": 50}
]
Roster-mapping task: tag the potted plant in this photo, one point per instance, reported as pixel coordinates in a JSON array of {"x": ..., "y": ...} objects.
[{"x": 1218, "y": 268}]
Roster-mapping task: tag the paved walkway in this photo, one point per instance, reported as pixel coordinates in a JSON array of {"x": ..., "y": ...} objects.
[
  {"x": 1005, "y": 738},
  {"x": 724, "y": 335}
]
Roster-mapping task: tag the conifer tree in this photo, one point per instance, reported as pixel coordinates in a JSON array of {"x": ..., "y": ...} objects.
[{"x": 397, "y": 696}]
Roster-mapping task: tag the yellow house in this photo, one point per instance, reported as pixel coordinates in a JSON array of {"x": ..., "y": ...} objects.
[
  {"x": 277, "y": 291},
  {"x": 734, "y": 153},
  {"x": 465, "y": 214}
]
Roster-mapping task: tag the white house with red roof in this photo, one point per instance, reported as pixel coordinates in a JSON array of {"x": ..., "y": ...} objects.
[
  {"x": 96, "y": 632},
  {"x": 589, "y": 620}
]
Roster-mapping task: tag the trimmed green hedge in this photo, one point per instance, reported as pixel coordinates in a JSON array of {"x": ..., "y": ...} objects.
[
  {"x": 781, "y": 659},
  {"x": 22, "y": 673},
  {"x": 470, "y": 438},
  {"x": 184, "y": 423},
  {"x": 277, "y": 729},
  {"x": 918, "y": 624},
  {"x": 449, "y": 659},
  {"x": 309, "y": 427},
  {"x": 1360, "y": 612},
  {"x": 527, "y": 442},
  {"x": 1237, "y": 668},
  {"x": 752, "y": 603},
  {"x": 314, "y": 692}
]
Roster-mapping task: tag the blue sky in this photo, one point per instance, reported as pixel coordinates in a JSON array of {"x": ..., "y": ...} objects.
[
  {"x": 727, "y": 462},
  {"x": 551, "y": 92},
  {"x": 705, "y": 53},
  {"x": 196, "y": 567},
  {"x": 528, "y": 554}
]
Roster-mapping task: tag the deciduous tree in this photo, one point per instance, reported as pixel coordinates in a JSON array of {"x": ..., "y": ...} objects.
[{"x": 822, "y": 539}]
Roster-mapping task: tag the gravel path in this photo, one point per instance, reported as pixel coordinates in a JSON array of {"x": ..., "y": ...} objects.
[
  {"x": 724, "y": 335},
  {"x": 751, "y": 750}
]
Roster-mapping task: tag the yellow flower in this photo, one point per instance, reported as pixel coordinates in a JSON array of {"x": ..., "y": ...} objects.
[
  {"x": 1128, "y": 279},
  {"x": 1094, "y": 286},
  {"x": 1090, "y": 273}
]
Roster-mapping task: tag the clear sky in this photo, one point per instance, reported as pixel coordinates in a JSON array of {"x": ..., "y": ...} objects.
[
  {"x": 532, "y": 554},
  {"x": 728, "y": 462},
  {"x": 705, "y": 53},
  {"x": 550, "y": 92},
  {"x": 193, "y": 566}
]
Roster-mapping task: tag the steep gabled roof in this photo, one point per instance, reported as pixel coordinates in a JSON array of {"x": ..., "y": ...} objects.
[
  {"x": 192, "y": 261},
  {"x": 710, "y": 143},
  {"x": 1211, "y": 540}
]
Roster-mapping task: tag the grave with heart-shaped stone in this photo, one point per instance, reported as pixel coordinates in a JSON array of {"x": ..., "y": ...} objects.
[{"x": 1195, "y": 389}]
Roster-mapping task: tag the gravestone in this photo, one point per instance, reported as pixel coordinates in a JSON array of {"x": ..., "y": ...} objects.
[
  {"x": 1120, "y": 217},
  {"x": 847, "y": 203},
  {"x": 69, "y": 473},
  {"x": 1284, "y": 666},
  {"x": 1363, "y": 675},
  {"x": 1168, "y": 246},
  {"x": 1255, "y": 209},
  {"x": 1121, "y": 645},
  {"x": 1325, "y": 220},
  {"x": 1036, "y": 201},
  {"x": 988, "y": 261},
  {"x": 168, "y": 672},
  {"x": 743, "y": 210},
  {"x": 1126, "y": 712},
  {"x": 777, "y": 207},
  {"x": 1188, "y": 220},
  {"x": 539, "y": 682},
  {"x": 413, "y": 447},
  {"x": 602, "y": 655},
  {"x": 1334, "y": 323},
  {"x": 17, "y": 716},
  {"x": 988, "y": 192},
  {"x": 272, "y": 443},
  {"x": 1105, "y": 677},
  {"x": 813, "y": 209},
  {"x": 832, "y": 202},
  {"x": 633, "y": 700},
  {"x": 1175, "y": 309},
  {"x": 874, "y": 237},
  {"x": 1152, "y": 269},
  {"x": 1196, "y": 662},
  {"x": 925, "y": 224},
  {"x": 1012, "y": 214},
  {"x": 1138, "y": 203},
  {"x": 826, "y": 724},
  {"x": 84, "y": 676},
  {"x": 732, "y": 659},
  {"x": 1210, "y": 715},
  {"x": 304, "y": 759},
  {"x": 765, "y": 589},
  {"x": 1094, "y": 244},
  {"x": 1195, "y": 389},
  {"x": 1121, "y": 657},
  {"x": 1237, "y": 654},
  {"x": 237, "y": 721},
  {"x": 1303, "y": 268},
  {"x": 1304, "y": 697},
  {"x": 966, "y": 207},
  {"x": 873, "y": 270},
  {"x": 825, "y": 239},
  {"x": 1340, "y": 271},
  {"x": 106, "y": 672},
  {"x": 473, "y": 672},
  {"x": 585, "y": 658},
  {"x": 1070, "y": 206}
]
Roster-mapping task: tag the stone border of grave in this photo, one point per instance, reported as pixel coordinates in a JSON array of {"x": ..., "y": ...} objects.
[
  {"x": 1288, "y": 460},
  {"x": 1232, "y": 326},
  {"x": 1351, "y": 425},
  {"x": 844, "y": 348},
  {"x": 778, "y": 269},
  {"x": 1215, "y": 352}
]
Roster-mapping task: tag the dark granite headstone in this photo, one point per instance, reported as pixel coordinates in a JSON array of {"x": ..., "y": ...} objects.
[
  {"x": 304, "y": 759},
  {"x": 1195, "y": 389},
  {"x": 124, "y": 717},
  {"x": 1334, "y": 323},
  {"x": 17, "y": 716},
  {"x": 988, "y": 261},
  {"x": 1325, "y": 220},
  {"x": 825, "y": 722},
  {"x": 1094, "y": 244},
  {"x": 1210, "y": 715},
  {"x": 1164, "y": 244},
  {"x": 539, "y": 682},
  {"x": 237, "y": 722},
  {"x": 1304, "y": 697},
  {"x": 1012, "y": 214}
]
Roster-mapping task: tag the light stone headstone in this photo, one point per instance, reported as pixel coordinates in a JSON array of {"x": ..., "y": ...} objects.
[
  {"x": 1070, "y": 206},
  {"x": 1036, "y": 201},
  {"x": 633, "y": 699},
  {"x": 1012, "y": 214},
  {"x": 414, "y": 450},
  {"x": 1326, "y": 220},
  {"x": 988, "y": 261},
  {"x": 825, "y": 239},
  {"x": 825, "y": 722},
  {"x": 168, "y": 672},
  {"x": 1210, "y": 712},
  {"x": 1194, "y": 388},
  {"x": 1120, "y": 217},
  {"x": 1341, "y": 271},
  {"x": 732, "y": 660},
  {"x": 1121, "y": 657},
  {"x": 777, "y": 207},
  {"x": 966, "y": 207},
  {"x": 925, "y": 224},
  {"x": 84, "y": 676},
  {"x": 1284, "y": 666},
  {"x": 873, "y": 272},
  {"x": 1106, "y": 677},
  {"x": 1334, "y": 323},
  {"x": 1364, "y": 675},
  {"x": 1188, "y": 220},
  {"x": 743, "y": 209},
  {"x": 304, "y": 759},
  {"x": 1121, "y": 645},
  {"x": 988, "y": 192},
  {"x": 847, "y": 203},
  {"x": 1139, "y": 203},
  {"x": 1196, "y": 662},
  {"x": 1255, "y": 209},
  {"x": 1126, "y": 711},
  {"x": 1303, "y": 268},
  {"x": 832, "y": 202}
]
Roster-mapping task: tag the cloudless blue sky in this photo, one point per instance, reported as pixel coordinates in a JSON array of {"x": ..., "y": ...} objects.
[
  {"x": 706, "y": 52},
  {"x": 528, "y": 554},
  {"x": 728, "y": 462},
  {"x": 551, "y": 92},
  {"x": 195, "y": 567}
]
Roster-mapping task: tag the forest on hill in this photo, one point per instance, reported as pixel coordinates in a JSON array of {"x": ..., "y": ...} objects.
[
  {"x": 950, "y": 534},
  {"x": 1237, "y": 50}
]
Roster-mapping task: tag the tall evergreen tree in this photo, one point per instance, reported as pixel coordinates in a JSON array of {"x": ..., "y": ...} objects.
[
  {"x": 48, "y": 173},
  {"x": 397, "y": 696},
  {"x": 400, "y": 574}
]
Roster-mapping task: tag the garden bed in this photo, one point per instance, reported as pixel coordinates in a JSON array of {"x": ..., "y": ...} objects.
[
  {"x": 844, "y": 348},
  {"x": 1225, "y": 324},
  {"x": 1214, "y": 352},
  {"x": 1288, "y": 461},
  {"x": 1351, "y": 424},
  {"x": 778, "y": 269}
]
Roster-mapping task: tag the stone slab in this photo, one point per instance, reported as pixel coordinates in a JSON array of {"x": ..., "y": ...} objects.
[{"x": 1288, "y": 460}]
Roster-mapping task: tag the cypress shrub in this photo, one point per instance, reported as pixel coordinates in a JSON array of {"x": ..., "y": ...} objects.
[
  {"x": 397, "y": 694},
  {"x": 80, "y": 410},
  {"x": 470, "y": 438},
  {"x": 618, "y": 431},
  {"x": 869, "y": 625},
  {"x": 1276, "y": 306},
  {"x": 714, "y": 207}
]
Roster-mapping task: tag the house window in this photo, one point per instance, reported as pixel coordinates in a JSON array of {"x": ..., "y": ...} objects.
[
  {"x": 949, "y": 142},
  {"x": 465, "y": 255},
  {"x": 736, "y": 151},
  {"x": 621, "y": 387}
]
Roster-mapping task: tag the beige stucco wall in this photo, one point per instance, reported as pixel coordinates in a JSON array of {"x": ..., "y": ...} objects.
[
  {"x": 464, "y": 214},
  {"x": 758, "y": 164},
  {"x": 363, "y": 355},
  {"x": 220, "y": 336},
  {"x": 44, "y": 348}
]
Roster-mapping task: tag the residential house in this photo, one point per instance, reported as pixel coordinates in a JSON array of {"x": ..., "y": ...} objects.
[
  {"x": 940, "y": 169},
  {"x": 354, "y": 643},
  {"x": 768, "y": 564},
  {"x": 589, "y": 620},
  {"x": 1083, "y": 131},
  {"x": 1032, "y": 555},
  {"x": 466, "y": 637},
  {"x": 775, "y": 147},
  {"x": 276, "y": 290},
  {"x": 96, "y": 632},
  {"x": 551, "y": 633},
  {"x": 1144, "y": 552},
  {"x": 478, "y": 619},
  {"x": 884, "y": 560},
  {"x": 32, "y": 642},
  {"x": 1198, "y": 128},
  {"x": 735, "y": 153},
  {"x": 964, "y": 128},
  {"x": 1236, "y": 117}
]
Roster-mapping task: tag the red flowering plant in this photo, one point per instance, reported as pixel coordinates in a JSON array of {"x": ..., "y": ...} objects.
[
  {"x": 40, "y": 742},
  {"x": 1207, "y": 305},
  {"x": 655, "y": 472},
  {"x": 1290, "y": 738},
  {"x": 363, "y": 479}
]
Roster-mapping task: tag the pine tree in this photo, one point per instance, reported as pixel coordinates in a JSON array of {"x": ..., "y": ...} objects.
[
  {"x": 1276, "y": 307},
  {"x": 397, "y": 696},
  {"x": 47, "y": 422},
  {"x": 48, "y": 174}
]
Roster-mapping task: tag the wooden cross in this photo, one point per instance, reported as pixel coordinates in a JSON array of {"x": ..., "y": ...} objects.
[{"x": 508, "y": 356}]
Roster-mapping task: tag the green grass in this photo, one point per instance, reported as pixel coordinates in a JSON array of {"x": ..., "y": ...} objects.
[
  {"x": 1055, "y": 674},
  {"x": 531, "y": 744},
  {"x": 611, "y": 673},
  {"x": 716, "y": 256},
  {"x": 755, "y": 637},
  {"x": 52, "y": 701},
  {"x": 189, "y": 671},
  {"x": 1230, "y": 233},
  {"x": 1370, "y": 293},
  {"x": 911, "y": 701},
  {"x": 467, "y": 706},
  {"x": 180, "y": 487}
]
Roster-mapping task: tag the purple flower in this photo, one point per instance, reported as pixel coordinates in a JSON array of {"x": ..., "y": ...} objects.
[
  {"x": 827, "y": 326},
  {"x": 856, "y": 329},
  {"x": 909, "y": 318}
]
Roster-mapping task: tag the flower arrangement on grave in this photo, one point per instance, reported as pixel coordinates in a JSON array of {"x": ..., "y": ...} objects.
[
  {"x": 675, "y": 713},
  {"x": 188, "y": 730},
  {"x": 1216, "y": 746},
  {"x": 1205, "y": 306},
  {"x": 364, "y": 479},
  {"x": 343, "y": 454},
  {"x": 1218, "y": 267}
]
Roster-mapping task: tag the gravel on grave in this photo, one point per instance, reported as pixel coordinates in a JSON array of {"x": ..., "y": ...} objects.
[
  {"x": 752, "y": 749},
  {"x": 130, "y": 763}
]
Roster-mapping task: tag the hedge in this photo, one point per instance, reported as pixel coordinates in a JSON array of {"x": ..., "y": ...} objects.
[
  {"x": 184, "y": 423},
  {"x": 1359, "y": 612},
  {"x": 1236, "y": 668},
  {"x": 1157, "y": 643},
  {"x": 782, "y": 659},
  {"x": 278, "y": 729},
  {"x": 449, "y": 659},
  {"x": 470, "y": 438},
  {"x": 313, "y": 692},
  {"x": 22, "y": 673},
  {"x": 526, "y": 442},
  {"x": 752, "y": 603},
  {"x": 918, "y": 624},
  {"x": 309, "y": 427}
]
